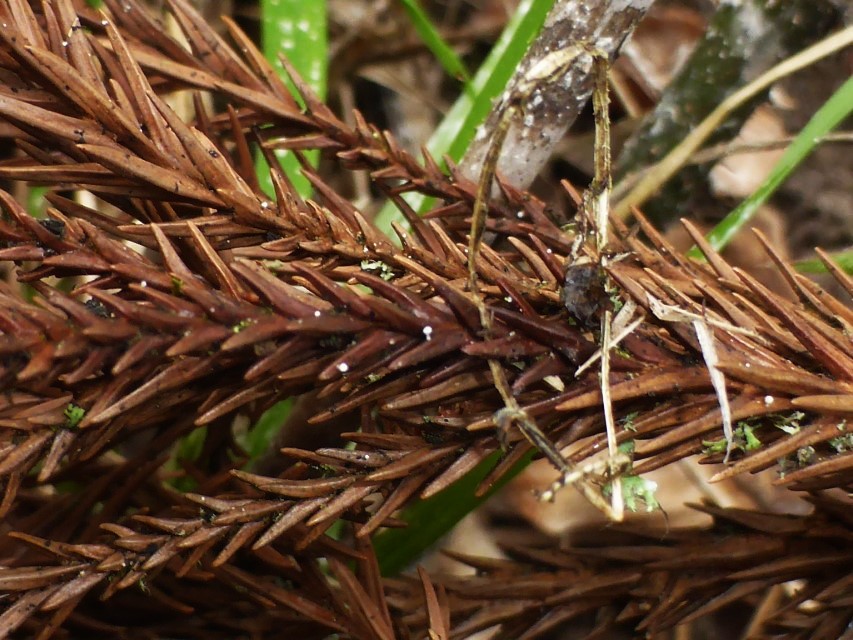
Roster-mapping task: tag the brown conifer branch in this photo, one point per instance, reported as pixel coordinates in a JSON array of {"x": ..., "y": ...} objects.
[
  {"x": 239, "y": 301},
  {"x": 633, "y": 580}
]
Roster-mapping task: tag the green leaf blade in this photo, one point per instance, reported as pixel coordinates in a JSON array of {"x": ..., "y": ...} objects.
[
  {"x": 830, "y": 115},
  {"x": 430, "y": 36},
  {"x": 843, "y": 259},
  {"x": 298, "y": 29}
]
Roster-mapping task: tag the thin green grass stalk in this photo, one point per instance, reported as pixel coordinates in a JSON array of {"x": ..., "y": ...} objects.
[
  {"x": 457, "y": 130},
  {"x": 430, "y": 36},
  {"x": 830, "y": 115},
  {"x": 298, "y": 30},
  {"x": 843, "y": 259},
  {"x": 431, "y": 519}
]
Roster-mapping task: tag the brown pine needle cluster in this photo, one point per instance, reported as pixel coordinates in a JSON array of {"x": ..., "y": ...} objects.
[{"x": 196, "y": 297}]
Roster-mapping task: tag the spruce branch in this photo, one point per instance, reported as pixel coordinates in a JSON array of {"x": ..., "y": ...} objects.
[
  {"x": 195, "y": 297},
  {"x": 632, "y": 579}
]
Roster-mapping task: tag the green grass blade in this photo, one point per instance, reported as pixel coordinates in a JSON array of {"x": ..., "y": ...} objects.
[
  {"x": 843, "y": 259},
  {"x": 298, "y": 29},
  {"x": 431, "y": 519},
  {"x": 456, "y": 131},
  {"x": 256, "y": 441},
  {"x": 430, "y": 36},
  {"x": 830, "y": 115}
]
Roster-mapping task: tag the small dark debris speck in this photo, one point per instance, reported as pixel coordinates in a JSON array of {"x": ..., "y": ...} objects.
[{"x": 56, "y": 227}]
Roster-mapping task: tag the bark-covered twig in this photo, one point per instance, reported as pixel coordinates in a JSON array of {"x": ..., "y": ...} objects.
[
  {"x": 743, "y": 41},
  {"x": 540, "y": 123}
]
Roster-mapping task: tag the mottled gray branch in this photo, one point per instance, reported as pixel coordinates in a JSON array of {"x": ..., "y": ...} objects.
[
  {"x": 744, "y": 39},
  {"x": 549, "y": 110}
]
